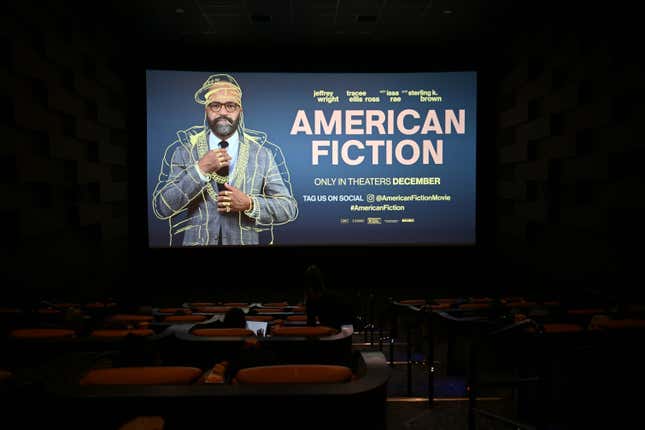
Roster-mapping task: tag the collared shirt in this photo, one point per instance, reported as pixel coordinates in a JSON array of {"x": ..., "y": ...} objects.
[
  {"x": 233, "y": 146},
  {"x": 232, "y": 149}
]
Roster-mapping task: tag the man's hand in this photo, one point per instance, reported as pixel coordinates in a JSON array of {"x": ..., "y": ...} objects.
[
  {"x": 214, "y": 160},
  {"x": 232, "y": 200}
]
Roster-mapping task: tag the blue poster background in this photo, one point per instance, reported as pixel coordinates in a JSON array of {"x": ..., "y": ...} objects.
[{"x": 271, "y": 101}]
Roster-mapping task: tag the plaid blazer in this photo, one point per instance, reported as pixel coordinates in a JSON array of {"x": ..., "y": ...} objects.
[{"x": 190, "y": 203}]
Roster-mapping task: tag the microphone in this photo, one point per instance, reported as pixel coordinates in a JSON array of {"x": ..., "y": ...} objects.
[{"x": 224, "y": 170}]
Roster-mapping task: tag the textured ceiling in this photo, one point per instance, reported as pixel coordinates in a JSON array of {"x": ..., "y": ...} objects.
[{"x": 431, "y": 23}]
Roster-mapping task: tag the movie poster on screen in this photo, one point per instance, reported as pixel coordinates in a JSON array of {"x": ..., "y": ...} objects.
[{"x": 369, "y": 158}]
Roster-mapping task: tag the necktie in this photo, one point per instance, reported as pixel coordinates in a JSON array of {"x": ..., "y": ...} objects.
[{"x": 224, "y": 170}]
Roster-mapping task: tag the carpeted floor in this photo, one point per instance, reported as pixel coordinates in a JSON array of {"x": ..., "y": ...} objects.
[
  {"x": 408, "y": 406},
  {"x": 417, "y": 415},
  {"x": 587, "y": 388}
]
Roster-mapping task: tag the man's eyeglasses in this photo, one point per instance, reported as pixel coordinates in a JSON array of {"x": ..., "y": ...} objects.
[{"x": 216, "y": 106}]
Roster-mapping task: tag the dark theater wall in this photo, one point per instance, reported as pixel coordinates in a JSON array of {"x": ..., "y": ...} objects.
[
  {"x": 568, "y": 146},
  {"x": 65, "y": 174}
]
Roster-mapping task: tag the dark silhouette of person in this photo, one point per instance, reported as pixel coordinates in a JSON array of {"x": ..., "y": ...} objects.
[
  {"x": 325, "y": 306},
  {"x": 234, "y": 318},
  {"x": 252, "y": 354}
]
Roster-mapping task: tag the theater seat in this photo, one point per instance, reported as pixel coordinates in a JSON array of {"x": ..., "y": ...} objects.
[
  {"x": 259, "y": 318},
  {"x": 618, "y": 324},
  {"x": 586, "y": 311},
  {"x": 130, "y": 318},
  {"x": 200, "y": 304},
  {"x": 303, "y": 331},
  {"x": 474, "y": 306},
  {"x": 294, "y": 374},
  {"x": 41, "y": 333},
  {"x": 144, "y": 423},
  {"x": 100, "y": 305},
  {"x": 558, "y": 328},
  {"x": 5, "y": 375},
  {"x": 154, "y": 375},
  {"x": 413, "y": 302},
  {"x": 113, "y": 333},
  {"x": 213, "y": 309},
  {"x": 185, "y": 318},
  {"x": 222, "y": 332},
  {"x": 174, "y": 310},
  {"x": 270, "y": 310},
  {"x": 441, "y": 307}
]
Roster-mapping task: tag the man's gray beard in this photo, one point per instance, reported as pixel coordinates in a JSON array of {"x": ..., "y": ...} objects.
[{"x": 223, "y": 128}]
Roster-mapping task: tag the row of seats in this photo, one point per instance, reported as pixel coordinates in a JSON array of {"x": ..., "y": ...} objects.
[
  {"x": 60, "y": 333},
  {"x": 178, "y": 375},
  {"x": 188, "y": 397}
]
